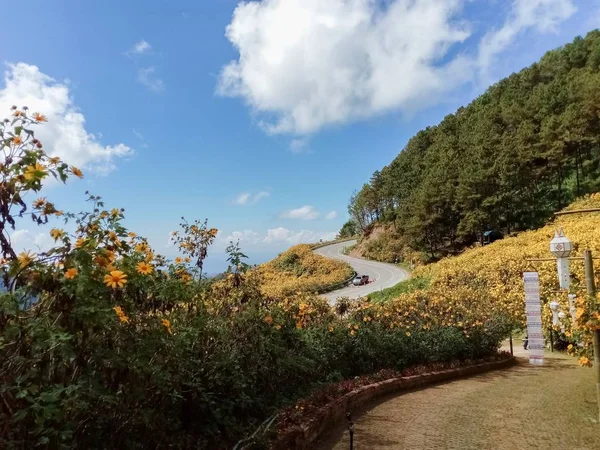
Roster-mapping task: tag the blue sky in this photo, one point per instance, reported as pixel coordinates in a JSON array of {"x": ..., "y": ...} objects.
[{"x": 154, "y": 101}]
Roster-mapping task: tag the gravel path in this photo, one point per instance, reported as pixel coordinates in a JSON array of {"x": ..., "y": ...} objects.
[{"x": 526, "y": 407}]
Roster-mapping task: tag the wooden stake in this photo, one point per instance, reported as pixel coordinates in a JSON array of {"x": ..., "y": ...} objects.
[{"x": 591, "y": 289}]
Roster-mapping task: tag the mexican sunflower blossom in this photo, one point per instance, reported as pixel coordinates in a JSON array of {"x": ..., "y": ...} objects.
[
  {"x": 115, "y": 279},
  {"x": 167, "y": 324},
  {"x": 121, "y": 315},
  {"x": 56, "y": 233},
  {"x": 24, "y": 259},
  {"x": 585, "y": 362},
  {"x": 39, "y": 117},
  {"x": 75, "y": 171},
  {"x": 144, "y": 268},
  {"x": 17, "y": 140},
  {"x": 35, "y": 172},
  {"x": 71, "y": 273}
]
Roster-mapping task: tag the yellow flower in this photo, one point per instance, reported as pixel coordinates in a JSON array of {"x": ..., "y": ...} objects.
[
  {"x": 120, "y": 314},
  {"x": 75, "y": 171},
  {"x": 408, "y": 333},
  {"x": 115, "y": 212},
  {"x": 58, "y": 213},
  {"x": 39, "y": 117},
  {"x": 178, "y": 260},
  {"x": 131, "y": 234},
  {"x": 268, "y": 319},
  {"x": 141, "y": 247},
  {"x": 39, "y": 203},
  {"x": 585, "y": 362},
  {"x": 115, "y": 279},
  {"x": 71, "y": 273},
  {"x": 18, "y": 113},
  {"x": 25, "y": 258},
  {"x": 144, "y": 268},
  {"x": 167, "y": 324},
  {"x": 299, "y": 324},
  {"x": 80, "y": 242},
  {"x": 352, "y": 332},
  {"x": 17, "y": 140},
  {"x": 56, "y": 233},
  {"x": 54, "y": 160},
  {"x": 35, "y": 172},
  {"x": 278, "y": 327}
]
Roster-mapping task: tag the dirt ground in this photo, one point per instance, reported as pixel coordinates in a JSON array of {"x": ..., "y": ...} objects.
[{"x": 525, "y": 407}]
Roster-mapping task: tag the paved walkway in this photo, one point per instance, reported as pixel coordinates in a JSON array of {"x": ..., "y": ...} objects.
[{"x": 526, "y": 407}]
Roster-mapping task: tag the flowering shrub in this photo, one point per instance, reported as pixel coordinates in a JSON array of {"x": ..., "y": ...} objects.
[{"x": 106, "y": 344}]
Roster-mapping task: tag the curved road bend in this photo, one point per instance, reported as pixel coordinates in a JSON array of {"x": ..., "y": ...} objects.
[{"x": 384, "y": 275}]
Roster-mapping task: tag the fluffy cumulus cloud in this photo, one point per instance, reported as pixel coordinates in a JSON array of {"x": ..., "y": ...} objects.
[
  {"x": 314, "y": 62},
  {"x": 305, "y": 64},
  {"x": 248, "y": 198},
  {"x": 65, "y": 136},
  {"x": 24, "y": 240},
  {"x": 306, "y": 212},
  {"x": 278, "y": 238},
  {"x": 283, "y": 235}
]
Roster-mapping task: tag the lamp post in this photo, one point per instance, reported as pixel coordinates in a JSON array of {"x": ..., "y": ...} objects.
[{"x": 561, "y": 247}]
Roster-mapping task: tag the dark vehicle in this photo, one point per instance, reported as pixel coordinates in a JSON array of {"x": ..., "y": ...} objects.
[
  {"x": 360, "y": 280},
  {"x": 491, "y": 236}
]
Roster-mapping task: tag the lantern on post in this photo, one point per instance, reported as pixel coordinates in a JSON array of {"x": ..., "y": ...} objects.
[{"x": 561, "y": 247}]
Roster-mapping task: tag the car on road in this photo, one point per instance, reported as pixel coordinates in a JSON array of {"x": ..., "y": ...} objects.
[{"x": 360, "y": 280}]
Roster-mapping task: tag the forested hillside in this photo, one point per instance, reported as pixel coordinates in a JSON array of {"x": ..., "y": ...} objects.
[{"x": 524, "y": 149}]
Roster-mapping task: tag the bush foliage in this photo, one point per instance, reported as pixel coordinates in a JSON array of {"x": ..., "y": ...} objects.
[{"x": 106, "y": 344}]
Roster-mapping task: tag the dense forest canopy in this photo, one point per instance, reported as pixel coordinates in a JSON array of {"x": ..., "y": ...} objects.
[{"x": 520, "y": 151}]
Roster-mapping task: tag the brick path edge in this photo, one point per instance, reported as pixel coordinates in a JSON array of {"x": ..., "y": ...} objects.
[{"x": 303, "y": 438}]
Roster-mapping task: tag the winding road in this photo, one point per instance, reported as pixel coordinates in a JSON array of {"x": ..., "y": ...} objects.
[{"x": 382, "y": 275}]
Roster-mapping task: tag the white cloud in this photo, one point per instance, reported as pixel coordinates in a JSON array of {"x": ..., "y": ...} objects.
[
  {"x": 543, "y": 16},
  {"x": 247, "y": 237},
  {"x": 139, "y": 48},
  {"x": 331, "y": 215},
  {"x": 247, "y": 198},
  {"x": 306, "y": 212},
  {"x": 24, "y": 240},
  {"x": 299, "y": 145},
  {"x": 64, "y": 135},
  {"x": 312, "y": 63},
  {"x": 307, "y": 64},
  {"x": 147, "y": 76},
  {"x": 290, "y": 237}
]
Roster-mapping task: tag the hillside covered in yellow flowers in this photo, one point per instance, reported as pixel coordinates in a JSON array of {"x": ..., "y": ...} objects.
[
  {"x": 468, "y": 290},
  {"x": 495, "y": 271},
  {"x": 298, "y": 269}
]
